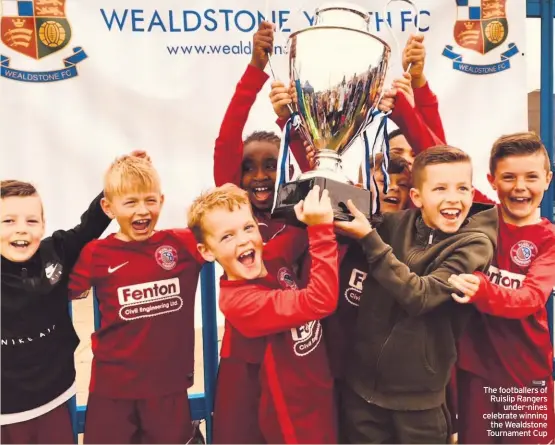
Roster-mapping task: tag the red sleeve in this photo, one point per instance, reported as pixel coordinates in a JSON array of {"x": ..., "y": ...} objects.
[
  {"x": 427, "y": 104},
  {"x": 189, "y": 242},
  {"x": 422, "y": 126},
  {"x": 80, "y": 278},
  {"x": 297, "y": 147},
  {"x": 228, "y": 151},
  {"x": 529, "y": 298},
  {"x": 412, "y": 125},
  {"x": 290, "y": 244},
  {"x": 481, "y": 198},
  {"x": 256, "y": 311}
]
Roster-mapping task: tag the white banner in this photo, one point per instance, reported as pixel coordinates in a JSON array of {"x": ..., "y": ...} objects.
[{"x": 83, "y": 81}]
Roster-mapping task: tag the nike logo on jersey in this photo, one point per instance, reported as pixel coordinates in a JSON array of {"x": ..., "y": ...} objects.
[{"x": 113, "y": 269}]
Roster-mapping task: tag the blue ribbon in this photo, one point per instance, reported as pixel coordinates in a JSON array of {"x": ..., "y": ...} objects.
[
  {"x": 283, "y": 156},
  {"x": 382, "y": 128},
  {"x": 492, "y": 68},
  {"x": 68, "y": 72}
]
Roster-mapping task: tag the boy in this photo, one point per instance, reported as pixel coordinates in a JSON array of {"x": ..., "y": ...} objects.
[
  {"x": 508, "y": 344},
  {"x": 404, "y": 343},
  {"x": 339, "y": 328},
  {"x": 38, "y": 339},
  {"x": 145, "y": 282},
  {"x": 252, "y": 164},
  {"x": 260, "y": 300}
]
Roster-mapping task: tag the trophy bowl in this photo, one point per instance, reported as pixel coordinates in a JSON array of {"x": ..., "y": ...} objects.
[{"x": 338, "y": 68}]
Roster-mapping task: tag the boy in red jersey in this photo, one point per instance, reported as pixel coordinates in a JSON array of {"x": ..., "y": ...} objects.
[
  {"x": 145, "y": 282},
  {"x": 507, "y": 344},
  {"x": 251, "y": 164},
  {"x": 261, "y": 300}
]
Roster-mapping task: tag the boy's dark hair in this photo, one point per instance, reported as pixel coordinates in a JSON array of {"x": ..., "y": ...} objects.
[
  {"x": 397, "y": 164},
  {"x": 441, "y": 154},
  {"x": 263, "y": 136},
  {"x": 395, "y": 133},
  {"x": 517, "y": 144},
  {"x": 13, "y": 187}
]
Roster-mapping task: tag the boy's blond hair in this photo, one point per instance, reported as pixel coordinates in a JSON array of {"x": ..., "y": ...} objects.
[
  {"x": 227, "y": 196},
  {"x": 130, "y": 174}
]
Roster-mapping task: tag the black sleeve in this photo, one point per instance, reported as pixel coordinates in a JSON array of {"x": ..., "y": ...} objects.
[{"x": 70, "y": 242}]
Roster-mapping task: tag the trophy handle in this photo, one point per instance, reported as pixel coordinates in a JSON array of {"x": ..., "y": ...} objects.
[
  {"x": 267, "y": 16},
  {"x": 385, "y": 10}
]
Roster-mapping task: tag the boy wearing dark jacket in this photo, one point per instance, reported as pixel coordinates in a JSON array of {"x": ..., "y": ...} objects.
[
  {"x": 405, "y": 338},
  {"x": 38, "y": 339}
]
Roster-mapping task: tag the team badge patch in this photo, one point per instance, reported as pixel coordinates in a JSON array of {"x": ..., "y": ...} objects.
[
  {"x": 306, "y": 338},
  {"x": 523, "y": 252},
  {"x": 37, "y": 29},
  {"x": 166, "y": 257},
  {"x": 481, "y": 27},
  {"x": 285, "y": 279},
  {"x": 356, "y": 284}
]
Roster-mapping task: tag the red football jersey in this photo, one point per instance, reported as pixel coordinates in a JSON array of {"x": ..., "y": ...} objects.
[
  {"x": 146, "y": 294},
  {"x": 508, "y": 342},
  {"x": 297, "y": 401}
]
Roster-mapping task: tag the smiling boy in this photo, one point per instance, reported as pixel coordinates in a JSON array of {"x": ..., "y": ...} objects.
[
  {"x": 405, "y": 340},
  {"x": 507, "y": 343}
]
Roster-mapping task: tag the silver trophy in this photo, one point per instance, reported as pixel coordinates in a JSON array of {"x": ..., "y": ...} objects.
[{"x": 338, "y": 68}]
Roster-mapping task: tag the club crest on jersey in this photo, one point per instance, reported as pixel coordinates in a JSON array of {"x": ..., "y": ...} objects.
[
  {"x": 523, "y": 252},
  {"x": 53, "y": 272},
  {"x": 306, "y": 338},
  {"x": 354, "y": 291},
  {"x": 285, "y": 279},
  {"x": 166, "y": 257}
]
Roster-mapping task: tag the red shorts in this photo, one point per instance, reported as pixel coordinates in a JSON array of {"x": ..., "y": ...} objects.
[
  {"x": 475, "y": 404},
  {"x": 236, "y": 403},
  {"x": 52, "y": 427},
  {"x": 165, "y": 419}
]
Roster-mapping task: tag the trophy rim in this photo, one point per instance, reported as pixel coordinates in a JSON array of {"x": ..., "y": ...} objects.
[
  {"x": 294, "y": 34},
  {"x": 344, "y": 7}
]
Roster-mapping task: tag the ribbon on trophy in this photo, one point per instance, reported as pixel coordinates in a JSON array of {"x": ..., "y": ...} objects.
[
  {"x": 284, "y": 156},
  {"x": 369, "y": 152}
]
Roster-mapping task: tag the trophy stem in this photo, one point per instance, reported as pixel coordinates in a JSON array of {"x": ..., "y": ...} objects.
[{"x": 327, "y": 164}]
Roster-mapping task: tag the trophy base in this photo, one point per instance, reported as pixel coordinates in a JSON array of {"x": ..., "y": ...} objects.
[{"x": 288, "y": 195}]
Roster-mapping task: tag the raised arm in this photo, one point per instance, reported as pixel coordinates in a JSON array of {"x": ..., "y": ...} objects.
[
  {"x": 414, "y": 54},
  {"x": 228, "y": 150},
  {"x": 93, "y": 223},
  {"x": 257, "y": 311}
]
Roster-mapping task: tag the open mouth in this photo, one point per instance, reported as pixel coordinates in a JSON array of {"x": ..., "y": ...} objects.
[
  {"x": 520, "y": 200},
  {"x": 247, "y": 258},
  {"x": 451, "y": 214},
  {"x": 391, "y": 200},
  {"x": 141, "y": 225},
  {"x": 19, "y": 244},
  {"x": 263, "y": 193}
]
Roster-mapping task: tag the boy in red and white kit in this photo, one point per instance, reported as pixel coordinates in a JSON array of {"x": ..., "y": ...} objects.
[
  {"x": 145, "y": 282},
  {"x": 260, "y": 299},
  {"x": 507, "y": 344}
]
